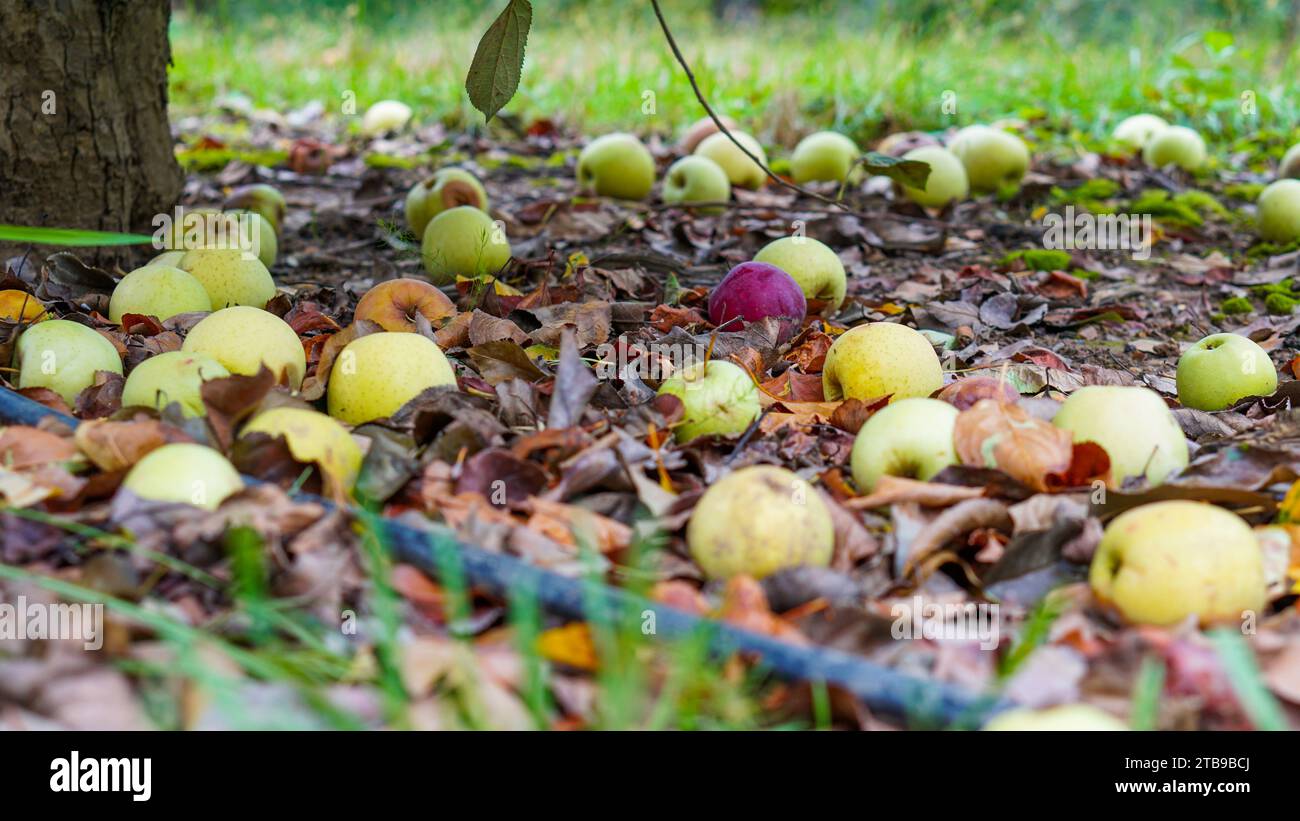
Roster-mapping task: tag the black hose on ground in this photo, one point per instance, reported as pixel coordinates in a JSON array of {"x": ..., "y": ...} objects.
[{"x": 880, "y": 688}]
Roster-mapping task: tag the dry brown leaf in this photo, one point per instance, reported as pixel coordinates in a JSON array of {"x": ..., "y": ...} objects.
[
  {"x": 992, "y": 434},
  {"x": 893, "y": 489},
  {"x": 119, "y": 445}
]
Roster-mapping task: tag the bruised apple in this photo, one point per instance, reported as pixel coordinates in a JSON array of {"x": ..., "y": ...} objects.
[
  {"x": 393, "y": 305},
  {"x": 448, "y": 188}
]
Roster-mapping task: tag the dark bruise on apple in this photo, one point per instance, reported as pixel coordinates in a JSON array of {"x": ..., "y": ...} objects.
[{"x": 753, "y": 291}]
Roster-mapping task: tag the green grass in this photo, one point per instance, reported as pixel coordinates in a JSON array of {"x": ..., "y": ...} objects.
[{"x": 594, "y": 67}]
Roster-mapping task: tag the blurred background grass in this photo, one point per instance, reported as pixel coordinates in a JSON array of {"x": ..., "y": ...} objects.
[{"x": 781, "y": 66}]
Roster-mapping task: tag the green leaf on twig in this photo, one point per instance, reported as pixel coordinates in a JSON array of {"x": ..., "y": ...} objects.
[{"x": 499, "y": 60}]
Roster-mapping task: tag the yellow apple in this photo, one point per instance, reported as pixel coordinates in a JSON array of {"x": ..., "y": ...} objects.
[
  {"x": 262, "y": 198},
  {"x": 880, "y": 358},
  {"x": 1290, "y": 165},
  {"x": 1133, "y": 133},
  {"x": 947, "y": 181},
  {"x": 184, "y": 473},
  {"x": 1133, "y": 425},
  {"x": 313, "y": 438},
  {"x": 1176, "y": 145},
  {"x": 759, "y": 520},
  {"x": 63, "y": 356},
  {"x": 160, "y": 291},
  {"x": 741, "y": 170},
  {"x": 825, "y": 156},
  {"x": 463, "y": 241},
  {"x": 174, "y": 376},
  {"x": 257, "y": 234},
  {"x": 617, "y": 165},
  {"x": 812, "y": 264},
  {"x": 910, "y": 438},
  {"x": 1065, "y": 718},
  {"x": 243, "y": 339},
  {"x": 1163, "y": 562},
  {"x": 385, "y": 116},
  {"x": 993, "y": 158},
  {"x": 230, "y": 277},
  {"x": 378, "y": 373},
  {"x": 172, "y": 258}
]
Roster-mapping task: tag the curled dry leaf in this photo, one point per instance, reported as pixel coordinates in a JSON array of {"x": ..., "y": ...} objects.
[
  {"x": 996, "y": 435},
  {"x": 894, "y": 489},
  {"x": 114, "y": 446}
]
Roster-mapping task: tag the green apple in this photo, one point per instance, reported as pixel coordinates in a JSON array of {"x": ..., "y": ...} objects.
[
  {"x": 313, "y": 438},
  {"x": 174, "y": 376},
  {"x": 1133, "y": 133},
  {"x": 1290, "y": 165},
  {"x": 172, "y": 258},
  {"x": 1063, "y": 718},
  {"x": 720, "y": 399},
  {"x": 257, "y": 235},
  {"x": 1163, "y": 562},
  {"x": 160, "y": 291},
  {"x": 1278, "y": 211},
  {"x": 617, "y": 165},
  {"x": 741, "y": 170},
  {"x": 696, "y": 179},
  {"x": 880, "y": 359},
  {"x": 463, "y": 241},
  {"x": 1133, "y": 425},
  {"x": 910, "y": 438},
  {"x": 63, "y": 356},
  {"x": 448, "y": 188},
  {"x": 230, "y": 277},
  {"x": 184, "y": 473},
  {"x": 1176, "y": 145},
  {"x": 994, "y": 159},
  {"x": 1222, "y": 369},
  {"x": 198, "y": 228},
  {"x": 261, "y": 198},
  {"x": 700, "y": 129},
  {"x": 385, "y": 116},
  {"x": 812, "y": 264},
  {"x": 378, "y": 373},
  {"x": 243, "y": 339},
  {"x": 947, "y": 181},
  {"x": 901, "y": 142},
  {"x": 825, "y": 156},
  {"x": 759, "y": 520}
]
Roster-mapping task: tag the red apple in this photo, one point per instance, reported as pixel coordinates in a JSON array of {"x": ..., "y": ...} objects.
[{"x": 756, "y": 290}]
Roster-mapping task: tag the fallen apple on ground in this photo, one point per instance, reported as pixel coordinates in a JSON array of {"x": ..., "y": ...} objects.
[
  {"x": 1133, "y": 133},
  {"x": 879, "y": 359},
  {"x": 947, "y": 181},
  {"x": 184, "y": 473},
  {"x": 173, "y": 376},
  {"x": 231, "y": 277},
  {"x": 378, "y": 373},
  {"x": 911, "y": 438},
  {"x": 719, "y": 398},
  {"x": 1222, "y": 369},
  {"x": 63, "y": 356},
  {"x": 754, "y": 291},
  {"x": 812, "y": 264},
  {"x": 160, "y": 291},
  {"x": 244, "y": 339},
  {"x": 700, "y": 129},
  {"x": 448, "y": 188},
  {"x": 1163, "y": 562},
  {"x": 693, "y": 180},
  {"x": 313, "y": 438},
  {"x": 825, "y": 156},
  {"x": 1290, "y": 165},
  {"x": 463, "y": 241},
  {"x": 20, "y": 306},
  {"x": 742, "y": 171},
  {"x": 257, "y": 235},
  {"x": 260, "y": 198},
  {"x": 758, "y": 520},
  {"x": 385, "y": 116},
  {"x": 1278, "y": 211},
  {"x": 1063, "y": 718},
  {"x": 393, "y": 305},
  {"x": 1176, "y": 145},
  {"x": 1133, "y": 425},
  {"x": 617, "y": 165},
  {"x": 994, "y": 159},
  {"x": 901, "y": 142}
]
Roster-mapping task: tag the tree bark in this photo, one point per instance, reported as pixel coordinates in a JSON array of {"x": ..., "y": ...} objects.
[{"x": 84, "y": 136}]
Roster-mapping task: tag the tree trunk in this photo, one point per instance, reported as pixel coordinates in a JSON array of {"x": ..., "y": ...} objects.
[{"x": 84, "y": 137}]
